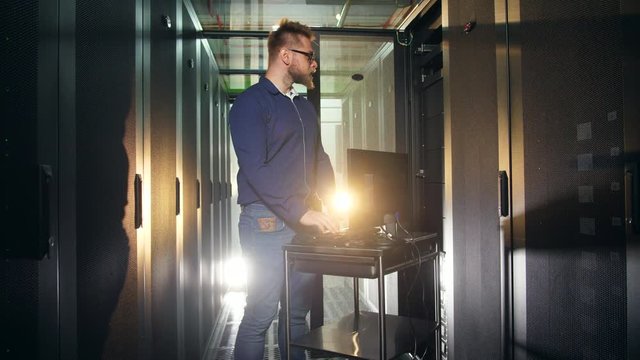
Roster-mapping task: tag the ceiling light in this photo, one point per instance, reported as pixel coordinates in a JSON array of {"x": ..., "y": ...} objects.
[{"x": 343, "y": 13}]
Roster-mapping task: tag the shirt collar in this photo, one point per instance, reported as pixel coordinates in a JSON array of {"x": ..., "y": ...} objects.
[
  {"x": 291, "y": 93},
  {"x": 271, "y": 87}
]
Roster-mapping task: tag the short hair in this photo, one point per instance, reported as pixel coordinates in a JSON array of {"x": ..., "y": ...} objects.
[{"x": 287, "y": 35}]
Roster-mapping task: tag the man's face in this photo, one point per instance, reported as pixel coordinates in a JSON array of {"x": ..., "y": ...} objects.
[{"x": 302, "y": 68}]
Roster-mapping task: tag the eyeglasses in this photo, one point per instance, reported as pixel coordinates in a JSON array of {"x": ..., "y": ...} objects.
[{"x": 311, "y": 56}]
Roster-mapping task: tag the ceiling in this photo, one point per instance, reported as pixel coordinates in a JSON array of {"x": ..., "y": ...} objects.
[
  {"x": 351, "y": 33},
  {"x": 261, "y": 15}
]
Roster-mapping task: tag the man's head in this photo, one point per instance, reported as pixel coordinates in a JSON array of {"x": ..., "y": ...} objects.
[{"x": 290, "y": 48}]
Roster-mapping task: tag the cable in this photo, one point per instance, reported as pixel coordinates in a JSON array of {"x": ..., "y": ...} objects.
[
  {"x": 404, "y": 43},
  {"x": 402, "y": 227}
]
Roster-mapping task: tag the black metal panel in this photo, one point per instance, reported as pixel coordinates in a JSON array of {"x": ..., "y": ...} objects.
[
  {"x": 105, "y": 113},
  {"x": 27, "y": 61},
  {"x": 428, "y": 125},
  {"x": 217, "y": 203},
  {"x": 190, "y": 246},
  {"x": 19, "y": 296},
  {"x": 207, "y": 317},
  {"x": 476, "y": 258},
  {"x": 631, "y": 57},
  {"x": 573, "y": 141},
  {"x": 29, "y": 179},
  {"x": 225, "y": 220},
  {"x": 429, "y": 173},
  {"x": 162, "y": 112}
]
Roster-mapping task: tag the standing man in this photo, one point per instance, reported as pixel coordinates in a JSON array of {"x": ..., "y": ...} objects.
[{"x": 283, "y": 173}]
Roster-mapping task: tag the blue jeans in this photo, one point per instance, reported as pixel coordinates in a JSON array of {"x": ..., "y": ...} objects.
[{"x": 262, "y": 236}]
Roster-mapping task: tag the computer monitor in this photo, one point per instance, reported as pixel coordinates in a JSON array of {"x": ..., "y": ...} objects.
[{"x": 379, "y": 186}]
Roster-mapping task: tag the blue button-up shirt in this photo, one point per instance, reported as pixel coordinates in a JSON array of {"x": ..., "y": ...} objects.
[{"x": 280, "y": 156}]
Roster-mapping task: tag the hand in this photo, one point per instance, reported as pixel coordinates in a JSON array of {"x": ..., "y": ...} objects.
[{"x": 323, "y": 222}]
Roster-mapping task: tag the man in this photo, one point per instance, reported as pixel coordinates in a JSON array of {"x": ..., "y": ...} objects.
[{"x": 283, "y": 171}]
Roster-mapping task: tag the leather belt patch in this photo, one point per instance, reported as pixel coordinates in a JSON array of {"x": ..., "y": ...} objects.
[{"x": 267, "y": 224}]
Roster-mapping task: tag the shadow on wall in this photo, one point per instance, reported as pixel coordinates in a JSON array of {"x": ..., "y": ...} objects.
[
  {"x": 105, "y": 113},
  {"x": 575, "y": 261}
]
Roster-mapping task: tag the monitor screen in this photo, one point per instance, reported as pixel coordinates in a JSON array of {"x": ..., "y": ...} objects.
[{"x": 378, "y": 184}]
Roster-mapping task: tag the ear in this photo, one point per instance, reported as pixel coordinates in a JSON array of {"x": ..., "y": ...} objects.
[{"x": 285, "y": 56}]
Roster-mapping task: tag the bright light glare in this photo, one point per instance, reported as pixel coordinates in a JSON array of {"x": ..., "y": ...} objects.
[
  {"x": 235, "y": 273},
  {"x": 275, "y": 27},
  {"x": 342, "y": 202},
  {"x": 338, "y": 16}
]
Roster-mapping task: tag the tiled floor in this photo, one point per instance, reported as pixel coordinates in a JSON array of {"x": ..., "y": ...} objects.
[{"x": 338, "y": 301}]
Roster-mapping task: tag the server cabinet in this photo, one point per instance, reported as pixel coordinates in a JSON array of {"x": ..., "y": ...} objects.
[
  {"x": 216, "y": 180},
  {"x": 631, "y": 113},
  {"x": 29, "y": 173},
  {"x": 206, "y": 197},
  {"x": 225, "y": 174},
  {"x": 162, "y": 180},
  {"x": 106, "y": 242},
  {"x": 190, "y": 285},
  {"x": 472, "y": 241}
]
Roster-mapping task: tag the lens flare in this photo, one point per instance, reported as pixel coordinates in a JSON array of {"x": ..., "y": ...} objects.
[
  {"x": 342, "y": 202},
  {"x": 235, "y": 273}
]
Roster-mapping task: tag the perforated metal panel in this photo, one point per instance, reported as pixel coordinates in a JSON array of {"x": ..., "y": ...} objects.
[
  {"x": 572, "y": 111},
  {"x": 191, "y": 285},
  {"x": 28, "y": 126},
  {"x": 106, "y": 249},
  {"x": 19, "y": 102},
  {"x": 206, "y": 199},
  {"x": 216, "y": 183},
  {"x": 470, "y": 77},
  {"x": 162, "y": 112}
]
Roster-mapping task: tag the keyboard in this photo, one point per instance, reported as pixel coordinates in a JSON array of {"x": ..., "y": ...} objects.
[
  {"x": 332, "y": 238},
  {"x": 350, "y": 238},
  {"x": 366, "y": 239}
]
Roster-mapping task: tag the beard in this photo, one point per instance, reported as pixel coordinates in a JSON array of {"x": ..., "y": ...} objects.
[{"x": 304, "y": 78}]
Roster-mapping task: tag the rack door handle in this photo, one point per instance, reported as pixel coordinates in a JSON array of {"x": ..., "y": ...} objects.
[
  {"x": 631, "y": 194},
  {"x": 504, "y": 193},
  {"x": 177, "y": 196},
  {"x": 137, "y": 194},
  {"x": 45, "y": 239},
  {"x": 197, "y": 194}
]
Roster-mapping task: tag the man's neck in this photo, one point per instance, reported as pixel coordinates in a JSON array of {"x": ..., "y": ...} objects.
[{"x": 280, "y": 82}]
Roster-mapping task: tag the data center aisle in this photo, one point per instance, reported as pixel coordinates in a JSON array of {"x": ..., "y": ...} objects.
[{"x": 338, "y": 301}]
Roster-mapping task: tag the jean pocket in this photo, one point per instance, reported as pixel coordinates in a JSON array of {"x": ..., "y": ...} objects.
[{"x": 263, "y": 220}]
